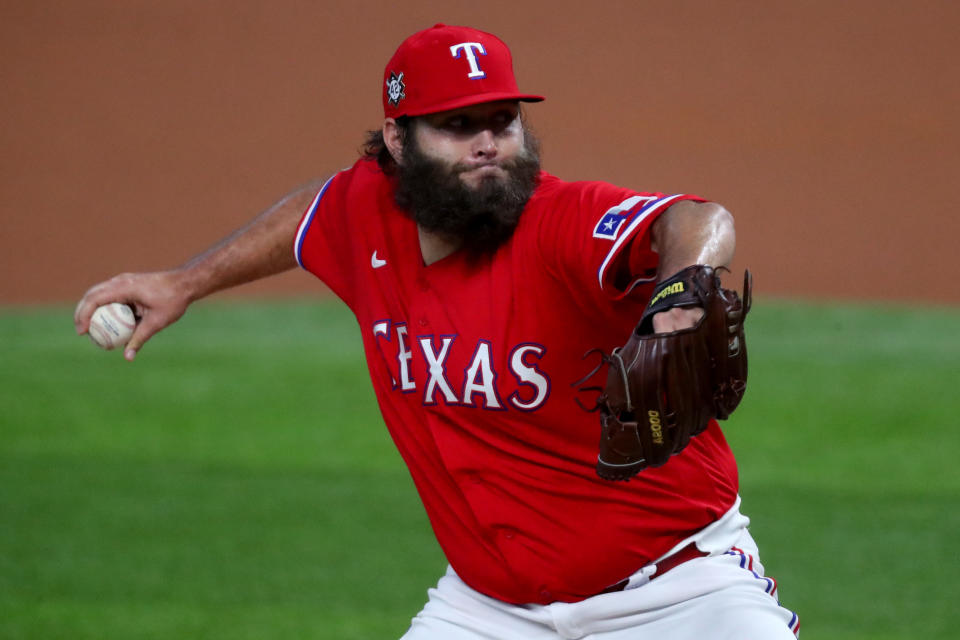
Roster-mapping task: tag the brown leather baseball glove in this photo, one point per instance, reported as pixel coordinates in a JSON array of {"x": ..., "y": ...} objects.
[{"x": 663, "y": 389}]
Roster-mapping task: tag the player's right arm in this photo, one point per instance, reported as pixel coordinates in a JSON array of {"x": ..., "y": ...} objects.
[{"x": 260, "y": 249}]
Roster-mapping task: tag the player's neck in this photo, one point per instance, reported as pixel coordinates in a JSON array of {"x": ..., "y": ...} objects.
[{"x": 433, "y": 247}]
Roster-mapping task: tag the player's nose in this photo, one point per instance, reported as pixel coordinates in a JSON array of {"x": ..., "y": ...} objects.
[{"x": 484, "y": 144}]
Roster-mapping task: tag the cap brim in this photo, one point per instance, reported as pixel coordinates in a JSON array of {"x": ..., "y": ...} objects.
[{"x": 469, "y": 101}]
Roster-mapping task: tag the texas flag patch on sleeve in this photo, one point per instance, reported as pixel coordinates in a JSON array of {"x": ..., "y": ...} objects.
[
  {"x": 622, "y": 223},
  {"x": 612, "y": 221},
  {"x": 609, "y": 225}
]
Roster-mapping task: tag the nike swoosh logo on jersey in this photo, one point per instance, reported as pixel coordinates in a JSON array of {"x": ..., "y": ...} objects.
[{"x": 376, "y": 262}]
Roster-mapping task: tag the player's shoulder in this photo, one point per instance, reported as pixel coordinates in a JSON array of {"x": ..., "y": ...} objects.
[
  {"x": 555, "y": 195},
  {"x": 356, "y": 197},
  {"x": 364, "y": 169},
  {"x": 362, "y": 180},
  {"x": 551, "y": 185}
]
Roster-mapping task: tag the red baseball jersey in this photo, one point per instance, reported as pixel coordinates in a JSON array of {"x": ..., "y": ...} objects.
[{"x": 472, "y": 362}]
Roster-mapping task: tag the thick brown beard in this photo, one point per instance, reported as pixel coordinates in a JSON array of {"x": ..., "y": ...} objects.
[{"x": 478, "y": 220}]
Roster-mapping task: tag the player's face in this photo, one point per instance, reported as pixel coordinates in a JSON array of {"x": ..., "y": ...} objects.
[
  {"x": 474, "y": 142},
  {"x": 467, "y": 175}
]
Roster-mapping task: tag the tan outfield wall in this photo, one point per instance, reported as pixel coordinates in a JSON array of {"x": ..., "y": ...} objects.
[{"x": 135, "y": 133}]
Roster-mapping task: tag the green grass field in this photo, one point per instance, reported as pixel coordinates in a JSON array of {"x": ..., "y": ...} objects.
[{"x": 202, "y": 493}]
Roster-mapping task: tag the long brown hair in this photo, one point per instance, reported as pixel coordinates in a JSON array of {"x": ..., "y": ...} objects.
[{"x": 375, "y": 148}]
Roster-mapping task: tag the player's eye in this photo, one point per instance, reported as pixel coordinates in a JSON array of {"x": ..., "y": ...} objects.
[
  {"x": 502, "y": 120},
  {"x": 458, "y": 123}
]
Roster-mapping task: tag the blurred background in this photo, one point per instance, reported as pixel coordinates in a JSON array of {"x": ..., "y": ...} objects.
[
  {"x": 237, "y": 481},
  {"x": 135, "y": 133}
]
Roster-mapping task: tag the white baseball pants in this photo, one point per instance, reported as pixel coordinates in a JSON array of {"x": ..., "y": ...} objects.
[{"x": 722, "y": 596}]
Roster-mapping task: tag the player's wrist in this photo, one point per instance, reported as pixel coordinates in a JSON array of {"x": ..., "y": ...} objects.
[
  {"x": 189, "y": 282},
  {"x": 678, "y": 291}
]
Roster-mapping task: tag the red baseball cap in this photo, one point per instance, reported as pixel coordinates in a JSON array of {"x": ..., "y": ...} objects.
[{"x": 443, "y": 68}]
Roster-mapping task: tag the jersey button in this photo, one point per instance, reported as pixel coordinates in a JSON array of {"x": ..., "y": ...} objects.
[
  {"x": 422, "y": 322},
  {"x": 509, "y": 534},
  {"x": 546, "y": 595},
  {"x": 423, "y": 285}
]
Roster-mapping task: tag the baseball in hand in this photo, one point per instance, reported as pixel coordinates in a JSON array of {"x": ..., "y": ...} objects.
[{"x": 112, "y": 325}]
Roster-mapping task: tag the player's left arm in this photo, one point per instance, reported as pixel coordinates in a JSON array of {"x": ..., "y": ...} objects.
[{"x": 690, "y": 233}]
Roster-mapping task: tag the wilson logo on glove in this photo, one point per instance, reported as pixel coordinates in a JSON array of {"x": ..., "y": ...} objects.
[{"x": 673, "y": 289}]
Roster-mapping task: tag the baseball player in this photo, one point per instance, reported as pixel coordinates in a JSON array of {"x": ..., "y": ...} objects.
[{"x": 479, "y": 282}]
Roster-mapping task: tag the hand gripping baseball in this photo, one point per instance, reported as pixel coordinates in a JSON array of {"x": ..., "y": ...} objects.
[
  {"x": 158, "y": 299},
  {"x": 663, "y": 388}
]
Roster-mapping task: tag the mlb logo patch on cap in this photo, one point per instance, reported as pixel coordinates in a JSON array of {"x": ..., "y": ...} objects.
[{"x": 395, "y": 89}]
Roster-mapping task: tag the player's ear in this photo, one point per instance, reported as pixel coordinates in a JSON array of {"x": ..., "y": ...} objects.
[{"x": 393, "y": 138}]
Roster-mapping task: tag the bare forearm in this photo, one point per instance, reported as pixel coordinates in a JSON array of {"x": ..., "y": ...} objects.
[
  {"x": 690, "y": 233},
  {"x": 260, "y": 249},
  {"x": 693, "y": 233}
]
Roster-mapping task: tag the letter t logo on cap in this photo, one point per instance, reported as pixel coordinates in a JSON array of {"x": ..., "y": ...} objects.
[
  {"x": 470, "y": 49},
  {"x": 421, "y": 79}
]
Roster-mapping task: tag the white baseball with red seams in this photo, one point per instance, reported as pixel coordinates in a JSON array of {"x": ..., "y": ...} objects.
[{"x": 112, "y": 325}]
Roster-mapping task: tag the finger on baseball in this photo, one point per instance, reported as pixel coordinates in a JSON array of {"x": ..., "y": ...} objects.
[
  {"x": 116, "y": 289},
  {"x": 137, "y": 340},
  {"x": 148, "y": 325},
  {"x": 145, "y": 330},
  {"x": 93, "y": 298}
]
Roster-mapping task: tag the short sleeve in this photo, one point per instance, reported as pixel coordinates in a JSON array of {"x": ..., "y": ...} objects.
[
  {"x": 597, "y": 235},
  {"x": 319, "y": 245}
]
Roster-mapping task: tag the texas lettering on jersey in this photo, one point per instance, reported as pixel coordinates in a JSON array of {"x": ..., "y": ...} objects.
[{"x": 473, "y": 386}]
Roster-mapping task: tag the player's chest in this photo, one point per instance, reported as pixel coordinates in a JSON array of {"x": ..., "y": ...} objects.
[
  {"x": 462, "y": 334},
  {"x": 487, "y": 298}
]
